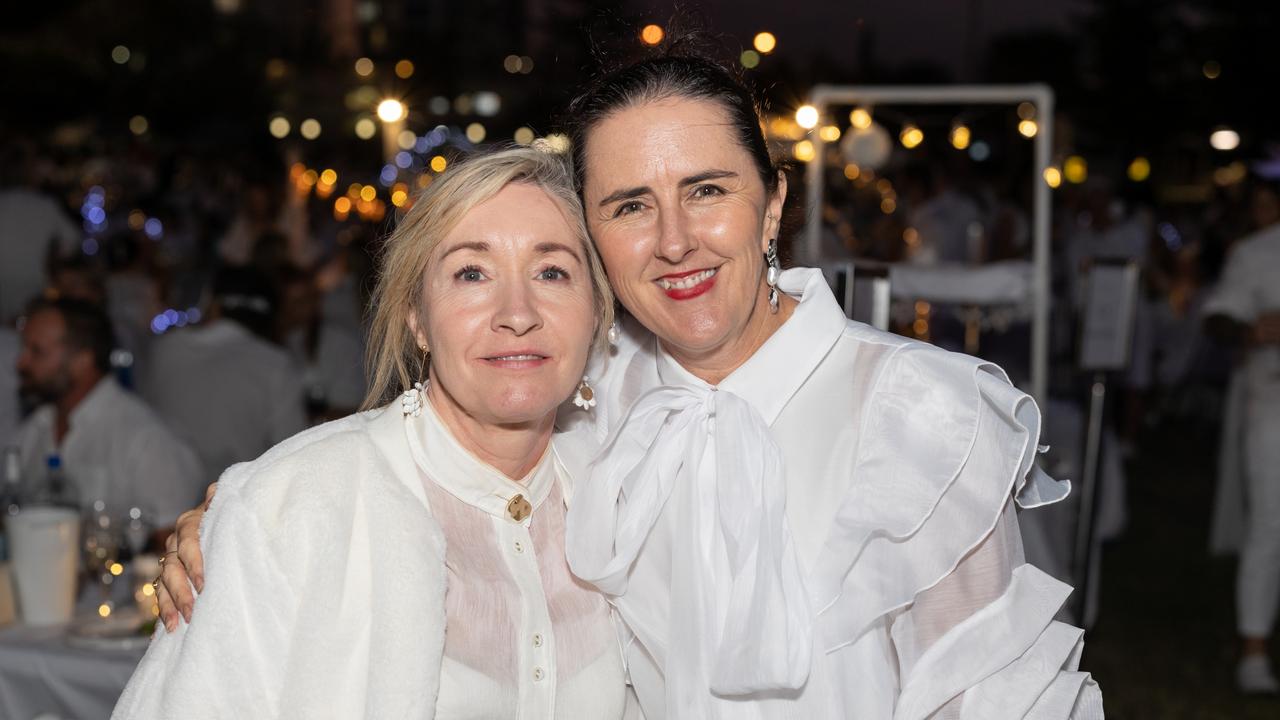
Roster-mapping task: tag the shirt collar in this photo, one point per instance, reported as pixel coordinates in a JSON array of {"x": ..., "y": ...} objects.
[
  {"x": 446, "y": 463},
  {"x": 770, "y": 377}
]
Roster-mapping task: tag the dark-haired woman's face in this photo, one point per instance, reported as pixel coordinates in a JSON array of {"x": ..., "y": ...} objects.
[{"x": 677, "y": 209}]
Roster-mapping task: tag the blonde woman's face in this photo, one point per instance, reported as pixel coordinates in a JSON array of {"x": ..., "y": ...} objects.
[{"x": 508, "y": 308}]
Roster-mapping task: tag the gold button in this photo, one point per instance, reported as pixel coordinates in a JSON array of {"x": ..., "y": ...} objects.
[{"x": 519, "y": 508}]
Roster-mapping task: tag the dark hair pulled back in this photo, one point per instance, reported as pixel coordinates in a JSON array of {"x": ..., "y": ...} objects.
[{"x": 682, "y": 68}]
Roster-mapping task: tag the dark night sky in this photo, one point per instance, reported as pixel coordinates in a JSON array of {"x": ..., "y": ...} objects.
[{"x": 905, "y": 31}]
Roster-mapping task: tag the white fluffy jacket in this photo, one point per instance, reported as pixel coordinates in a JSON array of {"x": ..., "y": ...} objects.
[{"x": 324, "y": 592}]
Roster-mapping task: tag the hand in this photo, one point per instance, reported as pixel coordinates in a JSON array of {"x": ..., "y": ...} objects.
[{"x": 182, "y": 565}]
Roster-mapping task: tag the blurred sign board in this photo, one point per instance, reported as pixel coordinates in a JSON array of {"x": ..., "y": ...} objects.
[{"x": 1110, "y": 304}]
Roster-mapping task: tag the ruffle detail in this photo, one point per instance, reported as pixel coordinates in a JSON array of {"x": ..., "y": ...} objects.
[
  {"x": 944, "y": 440},
  {"x": 1010, "y": 659}
]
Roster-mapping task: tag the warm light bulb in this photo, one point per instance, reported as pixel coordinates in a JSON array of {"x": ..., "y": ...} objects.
[{"x": 391, "y": 110}]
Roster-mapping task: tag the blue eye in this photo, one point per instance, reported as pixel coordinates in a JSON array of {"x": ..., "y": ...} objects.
[
  {"x": 469, "y": 274},
  {"x": 554, "y": 273}
]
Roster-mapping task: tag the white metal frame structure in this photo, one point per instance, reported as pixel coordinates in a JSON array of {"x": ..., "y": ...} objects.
[{"x": 1041, "y": 96}]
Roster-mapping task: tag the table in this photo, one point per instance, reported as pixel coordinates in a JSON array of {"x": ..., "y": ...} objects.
[{"x": 42, "y": 676}]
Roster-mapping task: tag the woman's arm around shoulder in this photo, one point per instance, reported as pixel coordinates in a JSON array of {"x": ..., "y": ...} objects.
[{"x": 228, "y": 662}]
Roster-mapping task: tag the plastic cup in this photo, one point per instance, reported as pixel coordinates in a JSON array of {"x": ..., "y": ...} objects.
[{"x": 44, "y": 542}]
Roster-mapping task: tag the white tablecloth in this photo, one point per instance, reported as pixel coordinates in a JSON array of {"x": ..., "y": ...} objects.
[{"x": 42, "y": 676}]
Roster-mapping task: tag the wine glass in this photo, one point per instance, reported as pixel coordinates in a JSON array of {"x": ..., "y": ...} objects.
[
  {"x": 100, "y": 545},
  {"x": 137, "y": 531}
]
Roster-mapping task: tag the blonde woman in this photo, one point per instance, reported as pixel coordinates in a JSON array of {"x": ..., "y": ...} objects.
[{"x": 408, "y": 561}]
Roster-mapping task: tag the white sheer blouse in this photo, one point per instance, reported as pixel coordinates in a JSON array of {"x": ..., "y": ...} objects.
[
  {"x": 523, "y": 637},
  {"x": 830, "y": 532}
]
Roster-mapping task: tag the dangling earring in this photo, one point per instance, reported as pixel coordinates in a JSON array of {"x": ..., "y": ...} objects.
[
  {"x": 411, "y": 399},
  {"x": 614, "y": 334},
  {"x": 585, "y": 398},
  {"x": 771, "y": 275}
]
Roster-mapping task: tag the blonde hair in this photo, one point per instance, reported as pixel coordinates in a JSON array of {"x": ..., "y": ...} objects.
[{"x": 392, "y": 356}]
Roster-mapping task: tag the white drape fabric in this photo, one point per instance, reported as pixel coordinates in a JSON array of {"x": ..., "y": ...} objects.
[{"x": 755, "y": 638}]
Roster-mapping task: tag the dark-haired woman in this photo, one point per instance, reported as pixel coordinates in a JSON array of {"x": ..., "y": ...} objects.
[{"x": 794, "y": 516}]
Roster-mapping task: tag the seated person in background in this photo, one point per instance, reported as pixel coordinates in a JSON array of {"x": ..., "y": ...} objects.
[
  {"x": 112, "y": 446},
  {"x": 222, "y": 385}
]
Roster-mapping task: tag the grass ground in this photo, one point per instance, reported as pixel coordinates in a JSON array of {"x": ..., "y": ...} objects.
[{"x": 1164, "y": 646}]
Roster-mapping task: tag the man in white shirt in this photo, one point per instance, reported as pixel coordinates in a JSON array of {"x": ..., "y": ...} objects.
[
  {"x": 221, "y": 385},
  {"x": 1245, "y": 310},
  {"x": 112, "y": 446}
]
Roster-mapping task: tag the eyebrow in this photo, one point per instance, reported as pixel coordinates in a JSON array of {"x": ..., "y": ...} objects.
[
  {"x": 477, "y": 246},
  {"x": 628, "y": 193},
  {"x": 550, "y": 247},
  {"x": 543, "y": 248}
]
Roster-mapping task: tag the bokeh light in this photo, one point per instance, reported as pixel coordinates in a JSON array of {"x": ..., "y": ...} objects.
[
  {"x": 860, "y": 118},
  {"x": 487, "y": 104},
  {"x": 364, "y": 67},
  {"x": 1224, "y": 139},
  {"x": 391, "y": 110},
  {"x": 765, "y": 42},
  {"x": 366, "y": 128},
  {"x": 1139, "y": 169},
  {"x": 652, "y": 34},
  {"x": 1075, "y": 170},
  {"x": 807, "y": 116},
  {"x": 804, "y": 151},
  {"x": 279, "y": 126},
  {"x": 960, "y": 137},
  {"x": 911, "y": 136},
  {"x": 310, "y": 129},
  {"x": 404, "y": 69}
]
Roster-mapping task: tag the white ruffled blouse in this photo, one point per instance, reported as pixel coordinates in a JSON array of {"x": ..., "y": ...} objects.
[{"x": 828, "y": 533}]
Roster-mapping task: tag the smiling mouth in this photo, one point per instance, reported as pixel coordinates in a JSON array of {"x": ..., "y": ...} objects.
[
  {"x": 523, "y": 357},
  {"x": 687, "y": 282}
]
